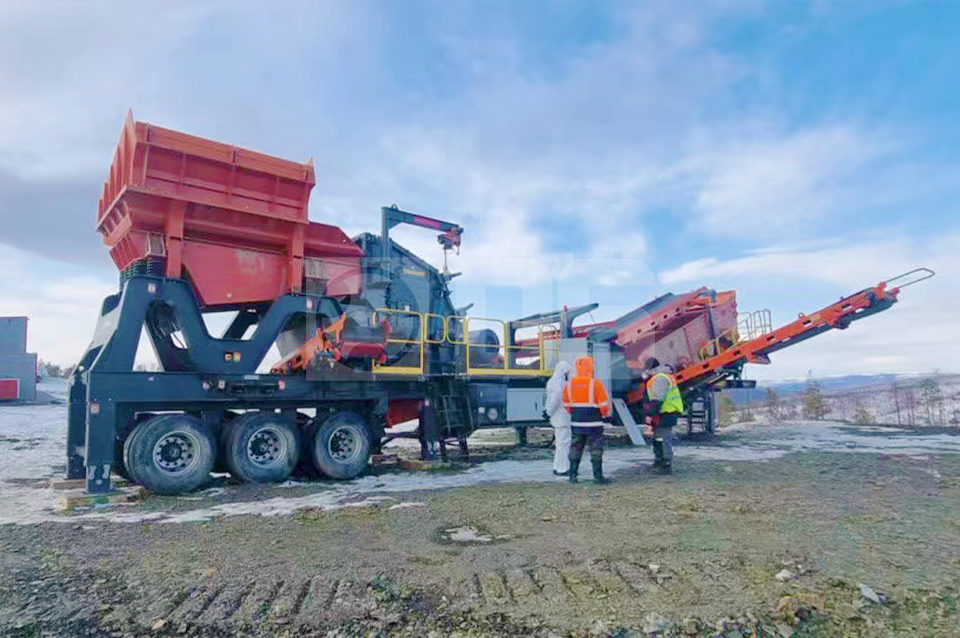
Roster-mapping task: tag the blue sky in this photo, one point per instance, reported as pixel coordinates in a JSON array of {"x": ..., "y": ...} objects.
[{"x": 607, "y": 151}]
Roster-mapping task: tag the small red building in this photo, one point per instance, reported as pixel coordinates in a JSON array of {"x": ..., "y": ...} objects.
[{"x": 18, "y": 368}]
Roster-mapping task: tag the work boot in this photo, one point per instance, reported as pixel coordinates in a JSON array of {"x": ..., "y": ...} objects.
[
  {"x": 658, "y": 449},
  {"x": 598, "y": 476},
  {"x": 573, "y": 476},
  {"x": 657, "y": 454}
]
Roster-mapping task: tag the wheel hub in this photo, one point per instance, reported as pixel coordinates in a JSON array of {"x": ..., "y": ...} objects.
[
  {"x": 176, "y": 452},
  {"x": 267, "y": 447},
  {"x": 344, "y": 445}
]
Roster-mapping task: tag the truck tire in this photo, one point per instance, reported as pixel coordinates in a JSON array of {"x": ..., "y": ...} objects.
[
  {"x": 261, "y": 447},
  {"x": 340, "y": 447},
  {"x": 170, "y": 453},
  {"x": 119, "y": 463}
]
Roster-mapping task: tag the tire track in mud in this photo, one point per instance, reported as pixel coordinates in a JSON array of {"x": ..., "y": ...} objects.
[
  {"x": 255, "y": 606},
  {"x": 266, "y": 606},
  {"x": 629, "y": 579},
  {"x": 222, "y": 610},
  {"x": 289, "y": 599},
  {"x": 276, "y": 605},
  {"x": 477, "y": 589},
  {"x": 187, "y": 610},
  {"x": 209, "y": 599},
  {"x": 351, "y": 600},
  {"x": 301, "y": 596},
  {"x": 586, "y": 582},
  {"x": 521, "y": 586},
  {"x": 319, "y": 597}
]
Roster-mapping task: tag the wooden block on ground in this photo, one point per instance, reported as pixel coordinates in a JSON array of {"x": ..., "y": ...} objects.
[
  {"x": 418, "y": 464},
  {"x": 380, "y": 460},
  {"x": 77, "y": 502},
  {"x": 67, "y": 484},
  {"x": 79, "y": 484}
]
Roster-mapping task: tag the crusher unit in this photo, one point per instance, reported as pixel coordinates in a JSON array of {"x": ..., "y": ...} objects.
[{"x": 367, "y": 333}]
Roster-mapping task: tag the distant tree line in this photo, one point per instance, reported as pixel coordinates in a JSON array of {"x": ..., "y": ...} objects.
[
  {"x": 927, "y": 402},
  {"x": 49, "y": 369}
]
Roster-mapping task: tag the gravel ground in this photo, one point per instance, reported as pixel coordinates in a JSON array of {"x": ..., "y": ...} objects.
[{"x": 769, "y": 532}]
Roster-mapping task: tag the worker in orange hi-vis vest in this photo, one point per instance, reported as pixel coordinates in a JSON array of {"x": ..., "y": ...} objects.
[{"x": 587, "y": 401}]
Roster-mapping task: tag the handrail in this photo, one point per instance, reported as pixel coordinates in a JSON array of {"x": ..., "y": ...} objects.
[
  {"x": 470, "y": 345},
  {"x": 751, "y": 325},
  {"x": 419, "y": 342},
  {"x": 928, "y": 273},
  {"x": 510, "y": 351},
  {"x": 732, "y": 335},
  {"x": 427, "y": 316},
  {"x": 449, "y": 332}
]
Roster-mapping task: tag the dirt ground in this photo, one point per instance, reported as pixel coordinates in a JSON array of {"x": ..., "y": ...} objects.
[{"x": 773, "y": 547}]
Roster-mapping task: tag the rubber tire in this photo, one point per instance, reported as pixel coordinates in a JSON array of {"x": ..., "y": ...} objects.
[
  {"x": 119, "y": 464},
  {"x": 236, "y": 438},
  {"x": 222, "y": 436},
  {"x": 306, "y": 467},
  {"x": 138, "y": 454},
  {"x": 320, "y": 451}
]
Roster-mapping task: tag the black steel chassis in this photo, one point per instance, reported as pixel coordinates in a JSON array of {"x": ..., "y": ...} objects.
[
  {"x": 210, "y": 376},
  {"x": 215, "y": 375}
]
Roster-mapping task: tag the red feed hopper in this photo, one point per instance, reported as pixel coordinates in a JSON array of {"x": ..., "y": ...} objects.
[{"x": 231, "y": 221}]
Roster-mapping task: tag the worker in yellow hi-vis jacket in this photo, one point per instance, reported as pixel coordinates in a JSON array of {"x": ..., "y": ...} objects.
[{"x": 662, "y": 409}]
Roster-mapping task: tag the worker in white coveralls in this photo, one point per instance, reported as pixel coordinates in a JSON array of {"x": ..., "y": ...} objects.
[{"x": 559, "y": 418}]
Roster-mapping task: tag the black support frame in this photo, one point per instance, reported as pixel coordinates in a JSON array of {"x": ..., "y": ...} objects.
[{"x": 221, "y": 373}]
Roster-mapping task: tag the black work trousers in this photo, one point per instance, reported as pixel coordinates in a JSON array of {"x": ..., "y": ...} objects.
[{"x": 581, "y": 437}]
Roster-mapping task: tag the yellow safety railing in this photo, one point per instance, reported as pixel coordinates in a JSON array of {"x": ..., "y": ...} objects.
[
  {"x": 418, "y": 343},
  {"x": 753, "y": 324},
  {"x": 508, "y": 354},
  {"x": 727, "y": 339},
  {"x": 427, "y": 319},
  {"x": 750, "y": 325},
  {"x": 449, "y": 332}
]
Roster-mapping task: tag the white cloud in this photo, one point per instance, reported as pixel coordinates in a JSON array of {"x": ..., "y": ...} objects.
[
  {"x": 61, "y": 301},
  {"x": 70, "y": 71},
  {"x": 845, "y": 265},
  {"x": 784, "y": 181}
]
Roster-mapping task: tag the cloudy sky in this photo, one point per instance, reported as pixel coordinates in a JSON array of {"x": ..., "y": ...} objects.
[{"x": 594, "y": 151}]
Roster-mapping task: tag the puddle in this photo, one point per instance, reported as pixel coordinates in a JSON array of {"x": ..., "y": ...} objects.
[
  {"x": 466, "y": 534},
  {"x": 720, "y": 453},
  {"x": 469, "y": 535},
  {"x": 832, "y": 437},
  {"x": 404, "y": 506}
]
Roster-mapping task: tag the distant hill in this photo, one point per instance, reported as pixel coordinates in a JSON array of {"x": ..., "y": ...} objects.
[{"x": 791, "y": 388}]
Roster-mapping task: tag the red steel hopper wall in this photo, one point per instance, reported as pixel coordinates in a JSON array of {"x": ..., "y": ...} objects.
[{"x": 233, "y": 221}]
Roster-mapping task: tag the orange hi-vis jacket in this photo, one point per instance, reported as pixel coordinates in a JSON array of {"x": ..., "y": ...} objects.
[{"x": 585, "y": 398}]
